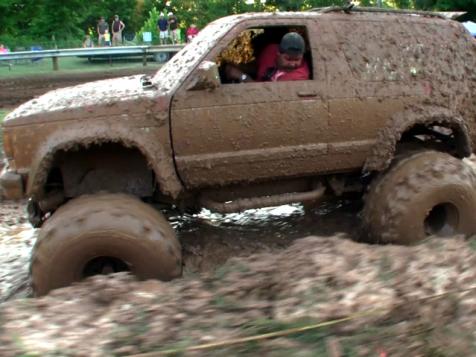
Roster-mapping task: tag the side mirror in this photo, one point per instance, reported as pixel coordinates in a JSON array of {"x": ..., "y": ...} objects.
[{"x": 205, "y": 77}]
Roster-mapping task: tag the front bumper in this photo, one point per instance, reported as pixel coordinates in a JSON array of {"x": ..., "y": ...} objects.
[{"x": 11, "y": 184}]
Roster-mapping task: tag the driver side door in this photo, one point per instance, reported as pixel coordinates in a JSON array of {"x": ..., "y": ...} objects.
[{"x": 250, "y": 131}]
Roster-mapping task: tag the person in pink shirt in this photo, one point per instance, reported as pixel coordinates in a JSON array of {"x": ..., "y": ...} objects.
[
  {"x": 283, "y": 62},
  {"x": 192, "y": 31},
  {"x": 3, "y": 49}
]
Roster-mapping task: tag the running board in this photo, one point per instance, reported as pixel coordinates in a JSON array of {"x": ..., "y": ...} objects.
[{"x": 242, "y": 204}]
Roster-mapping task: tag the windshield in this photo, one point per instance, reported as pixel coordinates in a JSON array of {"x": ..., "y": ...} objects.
[{"x": 175, "y": 70}]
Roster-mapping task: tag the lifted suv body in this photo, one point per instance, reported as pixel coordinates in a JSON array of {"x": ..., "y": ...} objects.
[{"x": 380, "y": 82}]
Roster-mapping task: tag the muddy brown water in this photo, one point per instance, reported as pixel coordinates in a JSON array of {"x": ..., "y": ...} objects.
[{"x": 208, "y": 239}]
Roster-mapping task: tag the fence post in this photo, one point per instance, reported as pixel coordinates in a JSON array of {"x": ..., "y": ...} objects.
[
  {"x": 55, "y": 63},
  {"x": 144, "y": 57}
]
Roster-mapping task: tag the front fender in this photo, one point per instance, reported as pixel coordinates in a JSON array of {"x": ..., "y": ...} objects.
[
  {"x": 383, "y": 151},
  {"x": 146, "y": 140}
]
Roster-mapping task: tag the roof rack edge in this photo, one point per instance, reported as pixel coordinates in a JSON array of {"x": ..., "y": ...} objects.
[{"x": 351, "y": 8}]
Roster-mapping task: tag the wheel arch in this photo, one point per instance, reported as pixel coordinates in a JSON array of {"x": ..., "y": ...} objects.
[
  {"x": 391, "y": 135},
  {"x": 158, "y": 157}
]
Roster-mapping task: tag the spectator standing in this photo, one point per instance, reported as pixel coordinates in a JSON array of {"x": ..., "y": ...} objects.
[
  {"x": 117, "y": 26},
  {"x": 88, "y": 42},
  {"x": 163, "y": 28},
  {"x": 101, "y": 28},
  {"x": 192, "y": 31},
  {"x": 3, "y": 49},
  {"x": 173, "y": 27},
  {"x": 107, "y": 38}
]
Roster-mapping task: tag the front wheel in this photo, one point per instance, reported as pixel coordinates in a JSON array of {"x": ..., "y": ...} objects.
[
  {"x": 424, "y": 194},
  {"x": 101, "y": 234}
]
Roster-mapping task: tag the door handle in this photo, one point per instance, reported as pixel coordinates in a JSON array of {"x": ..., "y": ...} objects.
[{"x": 307, "y": 93}]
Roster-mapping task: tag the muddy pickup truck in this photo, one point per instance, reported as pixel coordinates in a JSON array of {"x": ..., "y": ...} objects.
[{"x": 388, "y": 112}]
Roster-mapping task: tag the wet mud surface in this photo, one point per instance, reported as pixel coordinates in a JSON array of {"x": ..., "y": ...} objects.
[
  {"x": 401, "y": 300},
  {"x": 208, "y": 239}
]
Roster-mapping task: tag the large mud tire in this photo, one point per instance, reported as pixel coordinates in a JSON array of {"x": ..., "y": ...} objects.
[
  {"x": 116, "y": 226},
  {"x": 426, "y": 193}
]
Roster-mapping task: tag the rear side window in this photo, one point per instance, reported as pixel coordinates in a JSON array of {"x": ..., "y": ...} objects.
[{"x": 380, "y": 51}]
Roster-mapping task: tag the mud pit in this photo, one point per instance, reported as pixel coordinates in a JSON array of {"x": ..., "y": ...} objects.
[
  {"x": 208, "y": 240},
  {"x": 248, "y": 274}
]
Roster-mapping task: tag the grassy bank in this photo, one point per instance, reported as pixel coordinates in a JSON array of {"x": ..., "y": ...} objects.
[{"x": 69, "y": 65}]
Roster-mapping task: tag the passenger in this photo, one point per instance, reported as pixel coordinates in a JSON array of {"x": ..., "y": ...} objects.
[{"x": 277, "y": 62}]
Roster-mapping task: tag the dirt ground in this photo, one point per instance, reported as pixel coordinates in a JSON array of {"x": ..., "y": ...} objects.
[
  {"x": 17, "y": 90},
  {"x": 278, "y": 270}
]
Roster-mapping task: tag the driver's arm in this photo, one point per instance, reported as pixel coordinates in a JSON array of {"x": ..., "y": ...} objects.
[{"x": 234, "y": 73}]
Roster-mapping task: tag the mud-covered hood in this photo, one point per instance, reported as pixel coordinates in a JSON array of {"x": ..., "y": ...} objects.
[{"x": 86, "y": 96}]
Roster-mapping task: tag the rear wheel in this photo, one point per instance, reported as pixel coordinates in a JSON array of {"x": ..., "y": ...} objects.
[
  {"x": 423, "y": 194},
  {"x": 102, "y": 234}
]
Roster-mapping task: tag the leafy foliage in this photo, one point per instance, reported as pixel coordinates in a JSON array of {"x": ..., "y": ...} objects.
[
  {"x": 36, "y": 21},
  {"x": 40, "y": 21},
  {"x": 150, "y": 25}
]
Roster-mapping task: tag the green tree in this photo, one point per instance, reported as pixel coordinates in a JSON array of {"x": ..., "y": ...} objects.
[
  {"x": 12, "y": 24},
  {"x": 448, "y": 5},
  {"x": 202, "y": 12},
  {"x": 38, "y": 21},
  {"x": 62, "y": 22},
  {"x": 150, "y": 25},
  {"x": 34, "y": 21}
]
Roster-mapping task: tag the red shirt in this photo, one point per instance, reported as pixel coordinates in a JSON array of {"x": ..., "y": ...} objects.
[
  {"x": 192, "y": 31},
  {"x": 267, "y": 60}
]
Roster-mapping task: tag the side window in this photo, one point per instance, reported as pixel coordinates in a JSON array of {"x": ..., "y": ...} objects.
[
  {"x": 379, "y": 51},
  {"x": 257, "y": 54}
]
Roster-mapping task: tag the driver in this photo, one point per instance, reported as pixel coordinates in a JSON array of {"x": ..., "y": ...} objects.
[{"x": 278, "y": 62}]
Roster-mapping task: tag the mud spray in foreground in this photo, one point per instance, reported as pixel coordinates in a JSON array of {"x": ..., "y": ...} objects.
[{"x": 249, "y": 274}]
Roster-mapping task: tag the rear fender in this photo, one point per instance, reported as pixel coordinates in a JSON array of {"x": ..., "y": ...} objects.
[{"x": 388, "y": 137}]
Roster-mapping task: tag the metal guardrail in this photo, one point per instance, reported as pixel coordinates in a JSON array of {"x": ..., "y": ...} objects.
[{"x": 143, "y": 51}]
